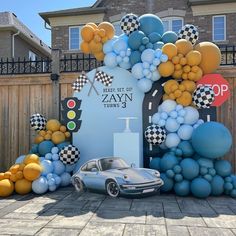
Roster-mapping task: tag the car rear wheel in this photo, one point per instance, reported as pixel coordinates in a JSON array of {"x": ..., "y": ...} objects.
[
  {"x": 112, "y": 189},
  {"x": 79, "y": 186}
]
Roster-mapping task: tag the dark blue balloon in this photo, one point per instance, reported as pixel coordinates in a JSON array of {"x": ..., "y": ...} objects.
[
  {"x": 200, "y": 188},
  {"x": 45, "y": 147},
  {"x": 211, "y": 140},
  {"x": 135, "y": 40},
  {"x": 190, "y": 168},
  {"x": 168, "y": 161},
  {"x": 169, "y": 37},
  {"x": 154, "y": 37},
  {"x": 223, "y": 168},
  {"x": 135, "y": 57},
  {"x": 182, "y": 188},
  {"x": 186, "y": 148},
  {"x": 155, "y": 163},
  {"x": 168, "y": 183}
]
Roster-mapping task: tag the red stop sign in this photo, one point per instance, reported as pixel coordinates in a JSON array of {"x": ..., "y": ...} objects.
[{"x": 219, "y": 85}]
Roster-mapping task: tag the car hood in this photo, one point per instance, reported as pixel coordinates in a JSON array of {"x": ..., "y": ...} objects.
[{"x": 135, "y": 175}]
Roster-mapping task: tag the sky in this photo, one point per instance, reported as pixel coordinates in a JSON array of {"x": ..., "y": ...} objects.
[{"x": 27, "y": 12}]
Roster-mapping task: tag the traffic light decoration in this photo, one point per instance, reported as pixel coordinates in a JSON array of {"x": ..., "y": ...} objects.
[{"x": 71, "y": 113}]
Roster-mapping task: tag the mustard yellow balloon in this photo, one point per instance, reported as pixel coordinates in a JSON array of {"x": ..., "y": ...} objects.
[
  {"x": 169, "y": 85},
  {"x": 2, "y": 176},
  {"x": 170, "y": 50},
  {"x": 38, "y": 139},
  {"x": 190, "y": 86},
  {"x": 32, "y": 171},
  {"x": 95, "y": 47},
  {"x": 23, "y": 186},
  {"x": 58, "y": 137},
  {"x": 99, "y": 56},
  {"x": 109, "y": 29},
  {"x": 31, "y": 158},
  {"x": 194, "y": 58},
  {"x": 53, "y": 125},
  {"x": 84, "y": 46},
  {"x": 185, "y": 99},
  {"x": 211, "y": 57},
  {"x": 183, "y": 46},
  {"x": 87, "y": 33},
  {"x": 166, "y": 69},
  {"x": 93, "y": 25},
  {"x": 6, "y": 187}
]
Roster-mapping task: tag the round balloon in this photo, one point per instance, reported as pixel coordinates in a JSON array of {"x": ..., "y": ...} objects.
[
  {"x": 200, "y": 188},
  {"x": 155, "y": 134},
  {"x": 40, "y": 185},
  {"x": 190, "y": 33},
  {"x": 168, "y": 183},
  {"x": 190, "y": 168},
  {"x": 223, "y": 168},
  {"x": 38, "y": 121},
  {"x": 182, "y": 188},
  {"x": 129, "y": 23},
  {"x": 203, "y": 97},
  {"x": 145, "y": 85}
]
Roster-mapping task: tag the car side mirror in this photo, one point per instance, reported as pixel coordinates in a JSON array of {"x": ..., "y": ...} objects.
[
  {"x": 94, "y": 170},
  {"x": 132, "y": 165}
]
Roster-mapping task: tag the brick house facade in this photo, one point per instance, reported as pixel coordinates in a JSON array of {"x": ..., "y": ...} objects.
[{"x": 215, "y": 19}]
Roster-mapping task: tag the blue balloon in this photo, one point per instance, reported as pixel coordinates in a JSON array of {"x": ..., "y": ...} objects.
[
  {"x": 125, "y": 65},
  {"x": 155, "y": 118},
  {"x": 108, "y": 46},
  {"x": 186, "y": 148},
  {"x": 149, "y": 46},
  {"x": 20, "y": 159},
  {"x": 203, "y": 170},
  {"x": 119, "y": 45},
  {"x": 190, "y": 168},
  {"x": 57, "y": 180},
  {"x": 145, "y": 85},
  {"x": 228, "y": 186},
  {"x": 137, "y": 71},
  {"x": 211, "y": 140},
  {"x": 168, "y": 106},
  {"x": 155, "y": 75},
  {"x": 135, "y": 39},
  {"x": 233, "y": 193},
  {"x": 177, "y": 169},
  {"x": 142, "y": 48},
  {"x": 168, "y": 161},
  {"x": 34, "y": 148},
  {"x": 62, "y": 145},
  {"x": 155, "y": 163},
  {"x": 59, "y": 167},
  {"x": 135, "y": 57},
  {"x": 148, "y": 55},
  {"x": 208, "y": 163},
  {"x": 55, "y": 150},
  {"x": 51, "y": 182},
  {"x": 55, "y": 157},
  {"x": 158, "y": 45},
  {"x": 208, "y": 177},
  {"x": 185, "y": 132},
  {"x": 70, "y": 168},
  {"x": 172, "y": 140},
  {"x": 200, "y": 188},
  {"x": 191, "y": 115},
  {"x": 65, "y": 179},
  {"x": 182, "y": 188},
  {"x": 40, "y": 185},
  {"x": 169, "y": 37},
  {"x": 48, "y": 156},
  {"x": 170, "y": 174},
  {"x": 52, "y": 188},
  {"x": 178, "y": 177},
  {"x": 154, "y": 37},
  {"x": 172, "y": 125},
  {"x": 110, "y": 60},
  {"x": 223, "y": 168},
  {"x": 47, "y": 167},
  {"x": 145, "y": 40},
  {"x": 150, "y": 23},
  {"x": 45, "y": 147},
  {"x": 168, "y": 183}
]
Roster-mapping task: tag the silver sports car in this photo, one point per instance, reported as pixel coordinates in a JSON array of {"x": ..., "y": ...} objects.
[{"x": 113, "y": 176}]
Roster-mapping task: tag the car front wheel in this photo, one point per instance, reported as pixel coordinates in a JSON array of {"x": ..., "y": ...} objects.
[
  {"x": 79, "y": 186},
  {"x": 112, "y": 189}
]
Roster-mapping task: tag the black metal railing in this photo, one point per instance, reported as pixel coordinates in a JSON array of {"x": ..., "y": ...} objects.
[
  {"x": 79, "y": 62},
  {"x": 228, "y": 53},
  {"x": 23, "y": 66}
]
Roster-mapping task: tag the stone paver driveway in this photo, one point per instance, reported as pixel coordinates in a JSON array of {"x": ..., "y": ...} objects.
[{"x": 66, "y": 212}]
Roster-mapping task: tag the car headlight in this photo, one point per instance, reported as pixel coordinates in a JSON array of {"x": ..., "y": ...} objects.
[
  {"x": 156, "y": 174},
  {"x": 126, "y": 177}
]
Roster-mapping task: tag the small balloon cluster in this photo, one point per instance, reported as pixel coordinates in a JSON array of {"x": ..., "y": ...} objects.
[
  {"x": 94, "y": 36},
  {"x": 49, "y": 165}
]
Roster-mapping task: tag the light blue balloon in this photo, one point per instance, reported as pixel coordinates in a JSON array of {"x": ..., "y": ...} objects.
[
  {"x": 156, "y": 62},
  {"x": 149, "y": 46},
  {"x": 58, "y": 180},
  {"x": 190, "y": 168},
  {"x": 125, "y": 65},
  {"x": 179, "y": 107},
  {"x": 155, "y": 75},
  {"x": 70, "y": 168},
  {"x": 135, "y": 39},
  {"x": 152, "y": 68},
  {"x": 148, "y": 55},
  {"x": 40, "y": 185},
  {"x": 172, "y": 125},
  {"x": 185, "y": 132},
  {"x": 52, "y": 188},
  {"x": 108, "y": 46},
  {"x": 158, "y": 45},
  {"x": 164, "y": 58},
  {"x": 145, "y": 85},
  {"x": 182, "y": 188},
  {"x": 51, "y": 182},
  {"x": 137, "y": 71},
  {"x": 146, "y": 65},
  {"x": 122, "y": 53},
  {"x": 164, "y": 115},
  {"x": 200, "y": 188},
  {"x": 180, "y": 120},
  {"x": 110, "y": 60},
  {"x": 20, "y": 159},
  {"x": 146, "y": 72},
  {"x": 172, "y": 140},
  {"x": 223, "y": 168},
  {"x": 65, "y": 179},
  {"x": 48, "y": 156},
  {"x": 168, "y": 183},
  {"x": 168, "y": 106},
  {"x": 119, "y": 45},
  {"x": 161, "y": 122},
  {"x": 158, "y": 53},
  {"x": 55, "y": 150},
  {"x": 149, "y": 75},
  {"x": 169, "y": 37},
  {"x": 173, "y": 114},
  {"x": 55, "y": 157},
  {"x": 191, "y": 115},
  {"x": 119, "y": 59},
  {"x": 49, "y": 176},
  {"x": 126, "y": 59},
  {"x": 128, "y": 52},
  {"x": 59, "y": 167},
  {"x": 155, "y": 163},
  {"x": 47, "y": 167}
]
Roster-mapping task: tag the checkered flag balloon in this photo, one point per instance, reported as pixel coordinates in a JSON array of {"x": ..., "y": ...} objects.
[
  {"x": 129, "y": 23},
  {"x": 38, "y": 121},
  {"x": 104, "y": 78},
  {"x": 203, "y": 97},
  {"x": 190, "y": 33},
  {"x": 155, "y": 134},
  {"x": 79, "y": 83},
  {"x": 69, "y": 155}
]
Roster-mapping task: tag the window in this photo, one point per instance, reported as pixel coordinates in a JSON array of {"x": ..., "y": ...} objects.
[
  {"x": 90, "y": 165},
  {"x": 219, "y": 28},
  {"x": 173, "y": 23},
  {"x": 118, "y": 30},
  {"x": 75, "y": 37},
  {"x": 32, "y": 56}
]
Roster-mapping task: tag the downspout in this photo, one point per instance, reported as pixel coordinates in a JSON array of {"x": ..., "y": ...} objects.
[{"x": 13, "y": 43}]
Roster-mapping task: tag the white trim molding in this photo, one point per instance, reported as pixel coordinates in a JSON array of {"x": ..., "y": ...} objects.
[
  {"x": 171, "y": 12},
  {"x": 213, "y": 28}
]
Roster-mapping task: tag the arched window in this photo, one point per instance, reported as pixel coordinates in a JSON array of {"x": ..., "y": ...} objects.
[{"x": 173, "y": 23}]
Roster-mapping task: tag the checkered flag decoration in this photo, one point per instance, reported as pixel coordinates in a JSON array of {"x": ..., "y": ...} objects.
[
  {"x": 155, "y": 134},
  {"x": 104, "y": 78},
  {"x": 203, "y": 97},
  {"x": 38, "y": 121},
  {"x": 80, "y": 82},
  {"x": 190, "y": 33},
  {"x": 69, "y": 155},
  {"x": 129, "y": 23}
]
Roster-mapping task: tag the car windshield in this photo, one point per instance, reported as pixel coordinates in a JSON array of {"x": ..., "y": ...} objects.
[{"x": 112, "y": 163}]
